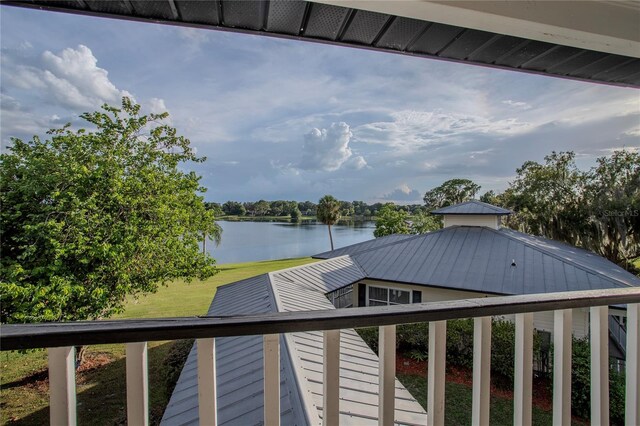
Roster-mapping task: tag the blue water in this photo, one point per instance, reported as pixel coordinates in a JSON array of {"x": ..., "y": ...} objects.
[{"x": 251, "y": 241}]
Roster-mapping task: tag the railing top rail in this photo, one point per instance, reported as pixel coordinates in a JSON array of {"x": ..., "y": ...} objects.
[{"x": 30, "y": 336}]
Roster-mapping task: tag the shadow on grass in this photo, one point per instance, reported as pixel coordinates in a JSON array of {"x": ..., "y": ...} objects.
[{"x": 101, "y": 397}]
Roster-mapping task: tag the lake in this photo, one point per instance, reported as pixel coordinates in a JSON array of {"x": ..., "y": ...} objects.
[{"x": 251, "y": 241}]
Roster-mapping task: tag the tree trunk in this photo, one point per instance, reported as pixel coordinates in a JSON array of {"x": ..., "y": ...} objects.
[
  {"x": 330, "y": 236},
  {"x": 80, "y": 353}
]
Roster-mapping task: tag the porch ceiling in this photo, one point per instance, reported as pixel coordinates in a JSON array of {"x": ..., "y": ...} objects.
[{"x": 598, "y": 44}]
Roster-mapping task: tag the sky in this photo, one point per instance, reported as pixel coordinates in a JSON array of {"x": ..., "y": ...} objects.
[{"x": 284, "y": 119}]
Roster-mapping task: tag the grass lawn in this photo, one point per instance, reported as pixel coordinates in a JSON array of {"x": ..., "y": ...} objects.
[
  {"x": 101, "y": 390},
  {"x": 458, "y": 403}
]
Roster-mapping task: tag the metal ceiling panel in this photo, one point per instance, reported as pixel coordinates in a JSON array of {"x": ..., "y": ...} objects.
[
  {"x": 286, "y": 16},
  {"x": 325, "y": 21},
  {"x": 401, "y": 32},
  {"x": 597, "y": 67},
  {"x": 117, "y": 7},
  {"x": 523, "y": 54},
  {"x": 244, "y": 14},
  {"x": 353, "y": 27},
  {"x": 157, "y": 9},
  {"x": 436, "y": 38},
  {"x": 466, "y": 43},
  {"x": 199, "y": 12},
  {"x": 552, "y": 56},
  {"x": 364, "y": 27}
]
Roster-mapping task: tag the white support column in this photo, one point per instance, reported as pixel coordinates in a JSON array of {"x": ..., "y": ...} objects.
[
  {"x": 523, "y": 370},
  {"x": 62, "y": 386},
  {"x": 207, "y": 395},
  {"x": 271, "y": 379},
  {"x": 137, "y": 384},
  {"x": 562, "y": 335},
  {"x": 632, "y": 403},
  {"x": 436, "y": 372},
  {"x": 387, "y": 375},
  {"x": 481, "y": 371},
  {"x": 331, "y": 378},
  {"x": 600, "y": 365}
]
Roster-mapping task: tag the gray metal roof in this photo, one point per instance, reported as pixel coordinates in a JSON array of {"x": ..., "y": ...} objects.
[
  {"x": 240, "y": 393},
  {"x": 472, "y": 207},
  {"x": 480, "y": 259},
  {"x": 366, "y": 245},
  {"x": 371, "y": 30},
  {"x": 239, "y": 367}
]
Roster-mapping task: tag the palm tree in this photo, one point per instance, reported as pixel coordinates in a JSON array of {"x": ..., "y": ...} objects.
[{"x": 328, "y": 212}]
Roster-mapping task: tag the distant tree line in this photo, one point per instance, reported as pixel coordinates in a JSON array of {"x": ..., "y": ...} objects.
[{"x": 282, "y": 208}]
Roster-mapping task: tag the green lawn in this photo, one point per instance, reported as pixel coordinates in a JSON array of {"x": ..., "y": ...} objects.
[
  {"x": 101, "y": 391},
  {"x": 458, "y": 403}
]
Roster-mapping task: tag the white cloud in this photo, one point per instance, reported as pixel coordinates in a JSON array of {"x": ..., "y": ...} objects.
[
  {"x": 328, "y": 149},
  {"x": 516, "y": 104},
  {"x": 356, "y": 163},
  {"x": 411, "y": 129},
  {"x": 71, "y": 78},
  {"x": 402, "y": 194}
]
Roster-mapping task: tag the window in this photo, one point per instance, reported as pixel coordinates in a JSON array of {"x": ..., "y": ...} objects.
[{"x": 384, "y": 296}]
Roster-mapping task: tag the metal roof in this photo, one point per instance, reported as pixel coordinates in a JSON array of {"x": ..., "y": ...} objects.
[
  {"x": 472, "y": 207},
  {"x": 480, "y": 259},
  {"x": 240, "y": 389},
  {"x": 365, "y": 245},
  {"x": 328, "y": 23}
]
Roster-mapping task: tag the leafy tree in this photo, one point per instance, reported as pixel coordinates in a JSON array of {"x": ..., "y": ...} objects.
[
  {"x": 391, "y": 220},
  {"x": 422, "y": 223},
  {"x": 490, "y": 197},
  {"x": 328, "y": 212},
  {"x": 234, "y": 208},
  {"x": 91, "y": 216},
  {"x": 215, "y": 208},
  {"x": 451, "y": 192},
  {"x": 598, "y": 210},
  {"x": 307, "y": 208},
  {"x": 547, "y": 199},
  {"x": 261, "y": 208},
  {"x": 295, "y": 214}
]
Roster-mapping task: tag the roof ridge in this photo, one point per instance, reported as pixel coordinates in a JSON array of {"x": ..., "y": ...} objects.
[{"x": 555, "y": 256}]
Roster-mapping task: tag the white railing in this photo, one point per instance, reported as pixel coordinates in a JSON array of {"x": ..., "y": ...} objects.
[{"x": 61, "y": 339}]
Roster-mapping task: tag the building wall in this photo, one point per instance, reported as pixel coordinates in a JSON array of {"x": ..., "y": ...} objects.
[
  {"x": 490, "y": 221},
  {"x": 541, "y": 320}
]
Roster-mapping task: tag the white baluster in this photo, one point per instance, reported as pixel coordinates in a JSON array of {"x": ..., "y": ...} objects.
[
  {"x": 632, "y": 403},
  {"x": 600, "y": 365},
  {"x": 207, "y": 394},
  {"x": 62, "y": 386},
  {"x": 523, "y": 382},
  {"x": 481, "y": 371},
  {"x": 562, "y": 335},
  {"x": 331, "y": 378},
  {"x": 271, "y": 379},
  {"x": 436, "y": 372},
  {"x": 387, "y": 375},
  {"x": 137, "y": 384}
]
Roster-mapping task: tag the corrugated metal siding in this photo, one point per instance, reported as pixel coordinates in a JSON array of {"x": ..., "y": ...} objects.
[
  {"x": 239, "y": 367},
  {"x": 479, "y": 259},
  {"x": 304, "y": 288}
]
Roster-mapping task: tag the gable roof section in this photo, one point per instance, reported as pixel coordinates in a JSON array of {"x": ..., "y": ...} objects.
[
  {"x": 479, "y": 259},
  {"x": 239, "y": 367},
  {"x": 472, "y": 207},
  {"x": 240, "y": 377}
]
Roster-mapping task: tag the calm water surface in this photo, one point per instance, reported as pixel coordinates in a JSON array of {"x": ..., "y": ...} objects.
[{"x": 250, "y": 241}]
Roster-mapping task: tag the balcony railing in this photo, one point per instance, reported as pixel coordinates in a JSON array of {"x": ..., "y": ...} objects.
[{"x": 60, "y": 339}]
